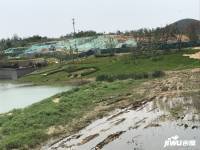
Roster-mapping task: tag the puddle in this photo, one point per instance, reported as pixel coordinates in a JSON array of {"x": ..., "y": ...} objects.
[{"x": 142, "y": 128}]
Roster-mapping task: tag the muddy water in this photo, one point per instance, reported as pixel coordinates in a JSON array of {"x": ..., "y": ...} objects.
[
  {"x": 14, "y": 96},
  {"x": 146, "y": 128}
]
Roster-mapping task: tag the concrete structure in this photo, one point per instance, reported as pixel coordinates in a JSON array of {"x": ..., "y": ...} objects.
[
  {"x": 22, "y": 63},
  {"x": 14, "y": 73}
]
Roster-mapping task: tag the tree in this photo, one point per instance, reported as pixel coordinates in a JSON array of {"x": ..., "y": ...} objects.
[
  {"x": 156, "y": 36},
  {"x": 110, "y": 44},
  {"x": 139, "y": 37},
  {"x": 167, "y": 34},
  {"x": 2, "y": 55},
  {"x": 87, "y": 33},
  {"x": 119, "y": 32},
  {"x": 149, "y": 35},
  {"x": 71, "y": 53},
  {"x": 178, "y": 34},
  {"x": 192, "y": 31}
]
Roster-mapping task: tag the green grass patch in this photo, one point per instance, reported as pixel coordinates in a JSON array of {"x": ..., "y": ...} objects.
[
  {"x": 135, "y": 76},
  {"x": 114, "y": 66},
  {"x": 26, "y": 128}
]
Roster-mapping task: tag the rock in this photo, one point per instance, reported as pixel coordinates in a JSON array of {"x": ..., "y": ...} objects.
[
  {"x": 109, "y": 139},
  {"x": 194, "y": 127},
  {"x": 89, "y": 138},
  {"x": 164, "y": 89},
  {"x": 185, "y": 126}
]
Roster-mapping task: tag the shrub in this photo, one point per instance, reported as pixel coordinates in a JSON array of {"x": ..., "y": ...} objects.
[
  {"x": 157, "y": 74},
  {"x": 95, "y": 69},
  {"x": 135, "y": 76},
  {"x": 71, "y": 69},
  {"x": 105, "y": 78}
]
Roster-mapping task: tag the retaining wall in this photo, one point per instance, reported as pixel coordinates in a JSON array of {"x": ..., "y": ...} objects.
[{"x": 11, "y": 73}]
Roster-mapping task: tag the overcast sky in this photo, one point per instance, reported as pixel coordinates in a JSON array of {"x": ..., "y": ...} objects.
[{"x": 53, "y": 18}]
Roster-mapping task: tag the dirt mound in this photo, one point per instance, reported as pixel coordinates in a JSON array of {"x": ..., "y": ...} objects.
[{"x": 193, "y": 56}]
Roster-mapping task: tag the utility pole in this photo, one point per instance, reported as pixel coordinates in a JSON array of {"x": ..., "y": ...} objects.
[
  {"x": 73, "y": 22},
  {"x": 74, "y": 36}
]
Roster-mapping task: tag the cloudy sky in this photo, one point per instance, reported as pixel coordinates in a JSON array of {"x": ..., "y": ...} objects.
[{"x": 54, "y": 17}]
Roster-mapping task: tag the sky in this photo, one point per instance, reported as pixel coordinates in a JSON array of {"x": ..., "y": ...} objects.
[{"x": 53, "y": 18}]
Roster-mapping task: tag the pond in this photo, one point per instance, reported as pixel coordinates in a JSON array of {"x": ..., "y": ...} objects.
[{"x": 13, "y": 96}]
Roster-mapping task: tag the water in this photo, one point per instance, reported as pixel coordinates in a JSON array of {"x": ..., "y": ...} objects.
[{"x": 13, "y": 96}]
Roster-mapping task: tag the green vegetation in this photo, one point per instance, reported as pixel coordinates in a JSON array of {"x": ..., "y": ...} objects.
[
  {"x": 176, "y": 111},
  {"x": 87, "y": 34},
  {"x": 27, "y": 128},
  {"x": 112, "y": 66},
  {"x": 16, "y": 41},
  {"x": 135, "y": 76}
]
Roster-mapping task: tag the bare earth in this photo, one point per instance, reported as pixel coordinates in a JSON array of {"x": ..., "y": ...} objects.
[
  {"x": 193, "y": 56},
  {"x": 170, "y": 108}
]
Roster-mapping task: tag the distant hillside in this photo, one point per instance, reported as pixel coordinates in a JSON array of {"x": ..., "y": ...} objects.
[{"x": 184, "y": 24}]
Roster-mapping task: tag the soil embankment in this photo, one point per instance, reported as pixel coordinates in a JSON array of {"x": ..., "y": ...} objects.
[{"x": 170, "y": 108}]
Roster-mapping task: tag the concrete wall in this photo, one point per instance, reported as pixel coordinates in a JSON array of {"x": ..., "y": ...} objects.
[
  {"x": 8, "y": 73},
  {"x": 11, "y": 73}
]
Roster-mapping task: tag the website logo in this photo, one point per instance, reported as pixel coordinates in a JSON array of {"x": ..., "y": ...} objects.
[{"x": 174, "y": 141}]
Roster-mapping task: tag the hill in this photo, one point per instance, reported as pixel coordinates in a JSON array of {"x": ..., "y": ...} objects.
[{"x": 184, "y": 24}]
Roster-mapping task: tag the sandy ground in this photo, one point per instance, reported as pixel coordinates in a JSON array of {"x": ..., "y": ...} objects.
[
  {"x": 193, "y": 56},
  {"x": 196, "y": 48}
]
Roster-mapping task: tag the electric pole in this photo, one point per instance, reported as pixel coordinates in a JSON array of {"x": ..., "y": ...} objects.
[
  {"x": 73, "y": 22},
  {"x": 74, "y": 36}
]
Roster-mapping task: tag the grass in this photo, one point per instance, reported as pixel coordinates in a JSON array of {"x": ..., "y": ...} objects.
[
  {"x": 27, "y": 128},
  {"x": 115, "y": 65},
  {"x": 126, "y": 65},
  {"x": 176, "y": 111}
]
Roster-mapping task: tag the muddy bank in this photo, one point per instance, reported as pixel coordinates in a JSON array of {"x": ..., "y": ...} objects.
[
  {"x": 170, "y": 107},
  {"x": 140, "y": 126}
]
